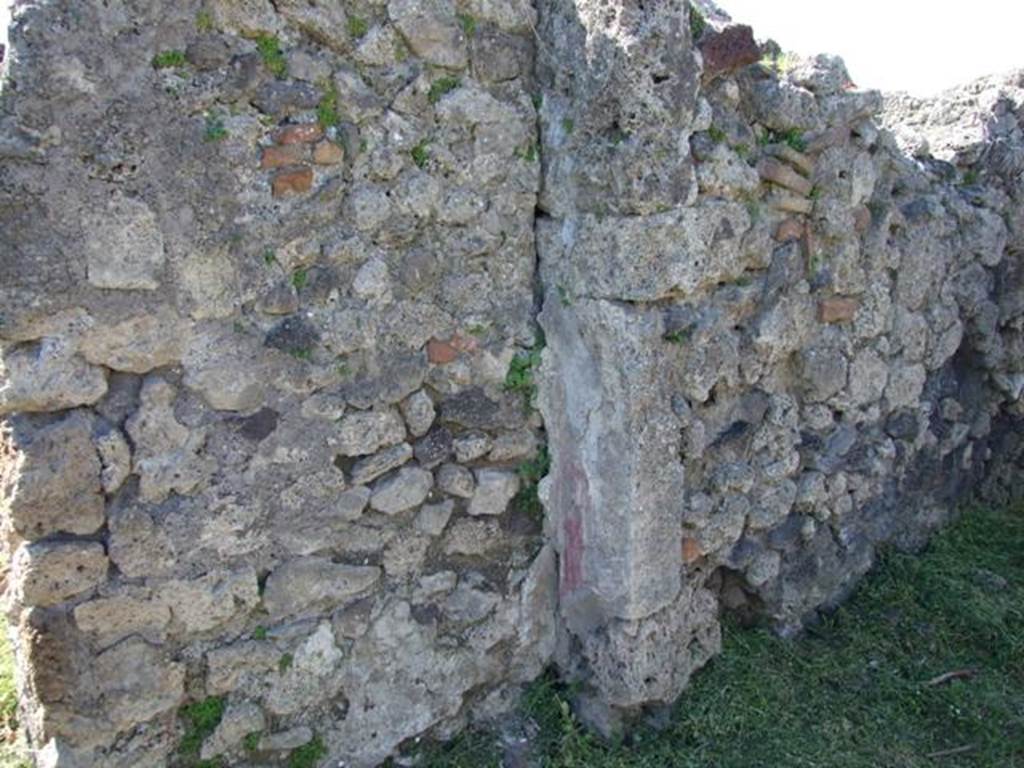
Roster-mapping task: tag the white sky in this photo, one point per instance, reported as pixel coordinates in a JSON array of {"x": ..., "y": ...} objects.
[{"x": 920, "y": 46}]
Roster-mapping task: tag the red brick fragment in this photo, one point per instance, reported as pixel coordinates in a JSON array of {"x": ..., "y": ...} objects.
[
  {"x": 441, "y": 352},
  {"x": 279, "y": 157},
  {"x": 730, "y": 49},
  {"x": 790, "y": 229},
  {"x": 691, "y": 551},
  {"x": 299, "y": 134},
  {"x": 292, "y": 181},
  {"x": 779, "y": 173},
  {"x": 837, "y": 309},
  {"x": 328, "y": 153},
  {"x": 861, "y": 219}
]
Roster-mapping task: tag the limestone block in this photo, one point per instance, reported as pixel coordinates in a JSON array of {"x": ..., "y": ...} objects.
[
  {"x": 431, "y": 31},
  {"x": 406, "y": 489},
  {"x": 124, "y": 246},
  {"x": 138, "y": 344},
  {"x": 137, "y": 682},
  {"x": 365, "y": 432},
  {"x": 203, "y": 604},
  {"x": 456, "y": 481},
  {"x": 52, "y": 484},
  {"x": 167, "y": 455},
  {"x": 48, "y": 573},
  {"x": 369, "y": 469},
  {"x": 494, "y": 490},
  {"x": 47, "y": 376},
  {"x": 313, "y": 676},
  {"x": 110, "y": 619},
  {"x": 419, "y": 413},
  {"x": 306, "y": 584}
]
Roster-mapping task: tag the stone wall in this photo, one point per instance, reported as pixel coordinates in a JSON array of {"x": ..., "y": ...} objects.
[
  {"x": 779, "y": 336},
  {"x": 299, "y": 299}
]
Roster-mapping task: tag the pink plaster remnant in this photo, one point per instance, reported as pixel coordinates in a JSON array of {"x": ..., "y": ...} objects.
[{"x": 572, "y": 555}]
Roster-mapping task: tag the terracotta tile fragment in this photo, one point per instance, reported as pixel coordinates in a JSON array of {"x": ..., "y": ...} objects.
[
  {"x": 299, "y": 134},
  {"x": 292, "y": 181}
]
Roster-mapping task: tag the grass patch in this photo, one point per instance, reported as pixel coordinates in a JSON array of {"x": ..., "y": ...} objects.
[
  {"x": 251, "y": 742},
  {"x": 697, "y": 22},
  {"x": 440, "y": 87},
  {"x": 168, "y": 59},
  {"x": 855, "y": 691},
  {"x": 357, "y": 27},
  {"x": 716, "y": 134},
  {"x": 468, "y": 24},
  {"x": 201, "y": 719},
  {"x": 308, "y": 755},
  {"x": 780, "y": 62},
  {"x": 420, "y": 154},
  {"x": 214, "y": 129},
  {"x": 793, "y": 137},
  {"x": 530, "y": 473},
  {"x": 327, "y": 114},
  {"x": 269, "y": 48},
  {"x": 527, "y": 153},
  {"x": 679, "y": 336},
  {"x": 205, "y": 22},
  {"x": 13, "y": 753},
  {"x": 521, "y": 371}
]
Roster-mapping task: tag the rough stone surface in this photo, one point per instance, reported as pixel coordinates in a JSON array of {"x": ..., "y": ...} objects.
[
  {"x": 363, "y": 433},
  {"x": 55, "y": 485},
  {"x": 727, "y": 50},
  {"x": 124, "y": 246},
  {"x": 49, "y": 573},
  {"x": 47, "y": 376},
  {"x": 404, "y": 490},
  {"x": 494, "y": 490},
  {"x": 302, "y": 585},
  {"x": 275, "y": 395}
]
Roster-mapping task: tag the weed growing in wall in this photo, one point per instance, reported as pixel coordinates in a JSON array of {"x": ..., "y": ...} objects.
[
  {"x": 308, "y": 755},
  {"x": 327, "y": 110},
  {"x": 357, "y": 27},
  {"x": 214, "y": 130},
  {"x": 527, "y": 153},
  {"x": 468, "y": 24},
  {"x": 440, "y": 87},
  {"x": 420, "y": 154},
  {"x": 679, "y": 336},
  {"x": 269, "y": 48},
  {"x": 793, "y": 137},
  {"x": 531, "y": 472},
  {"x": 204, "y": 22},
  {"x": 168, "y": 59},
  {"x": 697, "y": 22},
  {"x": 201, "y": 719},
  {"x": 251, "y": 742},
  {"x": 520, "y": 376}
]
